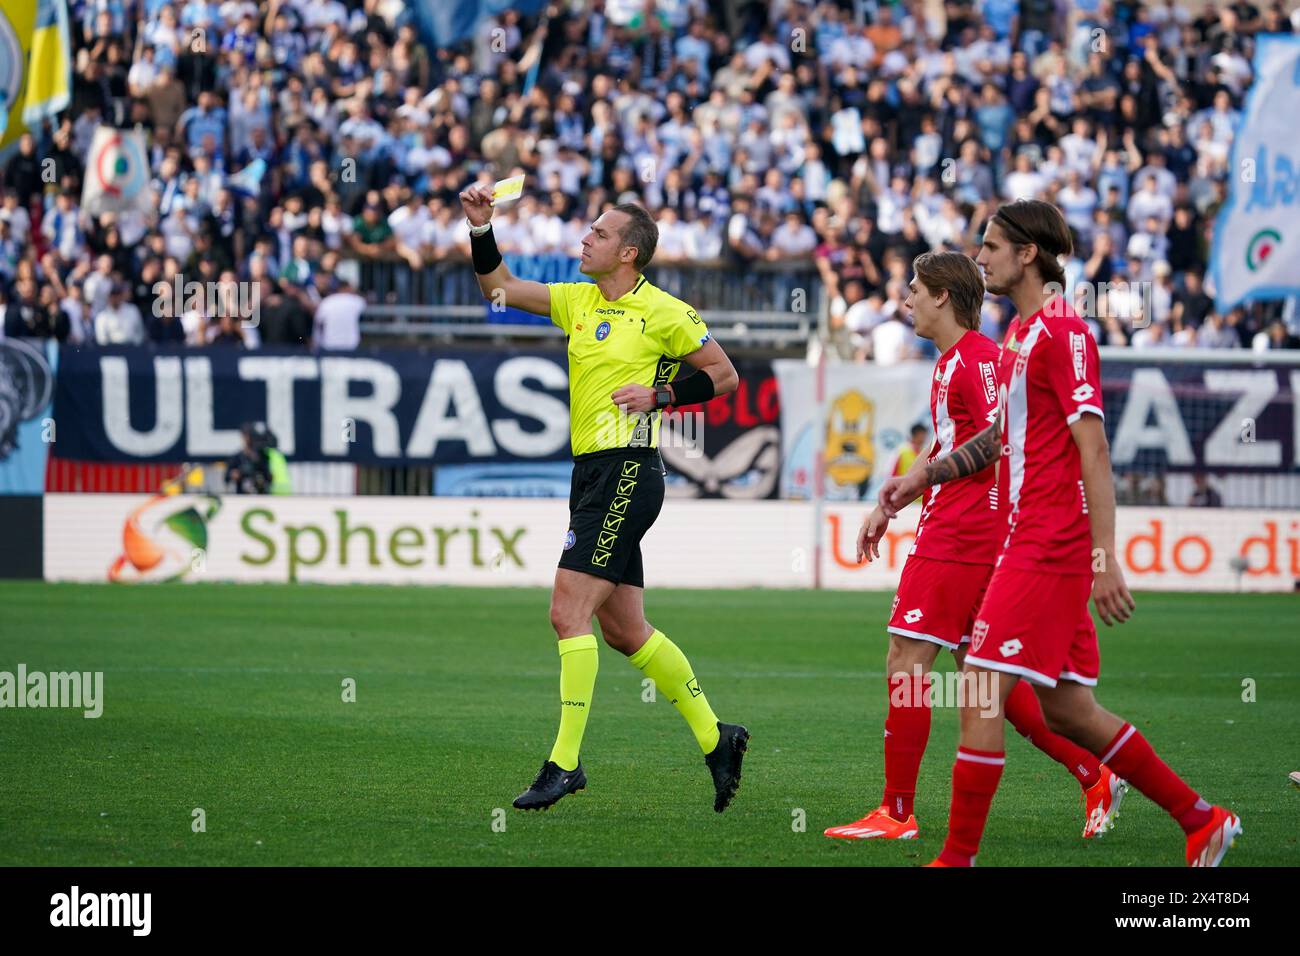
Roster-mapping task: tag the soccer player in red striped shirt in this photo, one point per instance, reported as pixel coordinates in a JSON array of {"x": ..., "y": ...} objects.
[
  {"x": 1054, "y": 473},
  {"x": 951, "y": 561}
]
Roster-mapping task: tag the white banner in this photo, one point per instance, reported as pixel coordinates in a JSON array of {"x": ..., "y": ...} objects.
[
  {"x": 509, "y": 542},
  {"x": 869, "y": 411},
  {"x": 1256, "y": 253}
]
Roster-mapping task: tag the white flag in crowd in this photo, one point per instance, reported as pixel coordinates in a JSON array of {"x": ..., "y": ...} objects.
[
  {"x": 117, "y": 173},
  {"x": 1256, "y": 251}
]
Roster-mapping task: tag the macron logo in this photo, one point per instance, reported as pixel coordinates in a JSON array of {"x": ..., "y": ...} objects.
[{"x": 102, "y": 909}]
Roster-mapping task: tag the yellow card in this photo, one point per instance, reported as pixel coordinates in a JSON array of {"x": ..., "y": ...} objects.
[{"x": 508, "y": 189}]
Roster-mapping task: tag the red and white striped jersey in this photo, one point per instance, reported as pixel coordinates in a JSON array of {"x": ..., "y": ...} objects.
[
  {"x": 1049, "y": 376},
  {"x": 960, "y": 519}
]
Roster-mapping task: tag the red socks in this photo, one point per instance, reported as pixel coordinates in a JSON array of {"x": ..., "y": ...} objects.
[
  {"x": 975, "y": 777},
  {"x": 1129, "y": 755},
  {"x": 1026, "y": 715},
  {"x": 976, "y": 773},
  {"x": 907, "y": 730}
]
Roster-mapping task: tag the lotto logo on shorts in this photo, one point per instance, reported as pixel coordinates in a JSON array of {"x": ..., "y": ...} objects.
[
  {"x": 977, "y": 634},
  {"x": 1010, "y": 648},
  {"x": 914, "y": 615}
]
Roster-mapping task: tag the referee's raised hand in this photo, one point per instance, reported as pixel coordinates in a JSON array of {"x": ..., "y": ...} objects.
[{"x": 477, "y": 203}]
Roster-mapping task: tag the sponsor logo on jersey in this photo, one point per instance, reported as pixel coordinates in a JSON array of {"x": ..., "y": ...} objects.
[
  {"x": 602, "y": 331},
  {"x": 1078, "y": 354},
  {"x": 1082, "y": 393},
  {"x": 610, "y": 312},
  {"x": 989, "y": 377}
]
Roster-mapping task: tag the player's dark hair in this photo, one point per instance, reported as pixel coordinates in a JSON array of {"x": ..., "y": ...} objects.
[
  {"x": 957, "y": 273},
  {"x": 640, "y": 232},
  {"x": 1034, "y": 222}
]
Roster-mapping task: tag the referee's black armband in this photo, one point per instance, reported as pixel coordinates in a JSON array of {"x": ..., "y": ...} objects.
[
  {"x": 486, "y": 254},
  {"x": 693, "y": 389}
]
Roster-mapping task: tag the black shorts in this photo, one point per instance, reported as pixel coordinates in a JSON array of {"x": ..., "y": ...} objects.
[{"x": 615, "y": 497}]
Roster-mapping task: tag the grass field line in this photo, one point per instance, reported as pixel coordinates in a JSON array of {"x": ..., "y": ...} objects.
[{"x": 712, "y": 675}]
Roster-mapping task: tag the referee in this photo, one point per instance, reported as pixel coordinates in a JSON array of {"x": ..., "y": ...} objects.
[{"x": 626, "y": 340}]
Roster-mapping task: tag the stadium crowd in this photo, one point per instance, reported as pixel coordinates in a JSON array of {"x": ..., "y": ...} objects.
[{"x": 290, "y": 137}]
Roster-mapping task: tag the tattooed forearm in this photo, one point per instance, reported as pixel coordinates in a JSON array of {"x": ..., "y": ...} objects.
[{"x": 976, "y": 455}]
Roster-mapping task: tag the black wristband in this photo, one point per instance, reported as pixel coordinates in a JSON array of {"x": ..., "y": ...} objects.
[
  {"x": 486, "y": 255},
  {"x": 693, "y": 389}
]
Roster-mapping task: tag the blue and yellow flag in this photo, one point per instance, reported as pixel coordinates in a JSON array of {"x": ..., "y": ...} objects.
[{"x": 35, "y": 64}]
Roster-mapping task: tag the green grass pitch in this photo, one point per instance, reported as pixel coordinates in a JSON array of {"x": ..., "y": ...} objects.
[{"x": 229, "y": 698}]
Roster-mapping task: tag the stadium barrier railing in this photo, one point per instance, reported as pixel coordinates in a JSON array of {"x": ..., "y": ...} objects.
[{"x": 768, "y": 304}]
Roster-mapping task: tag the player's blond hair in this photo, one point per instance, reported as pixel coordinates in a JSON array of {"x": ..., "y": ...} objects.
[{"x": 958, "y": 274}]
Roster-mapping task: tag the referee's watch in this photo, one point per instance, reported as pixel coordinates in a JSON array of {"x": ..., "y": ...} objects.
[{"x": 663, "y": 397}]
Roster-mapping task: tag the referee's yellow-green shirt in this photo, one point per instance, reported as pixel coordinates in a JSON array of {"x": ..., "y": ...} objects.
[{"x": 637, "y": 339}]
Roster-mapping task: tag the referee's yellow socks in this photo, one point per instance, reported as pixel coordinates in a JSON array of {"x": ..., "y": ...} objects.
[
  {"x": 578, "y": 661},
  {"x": 663, "y": 662}
]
